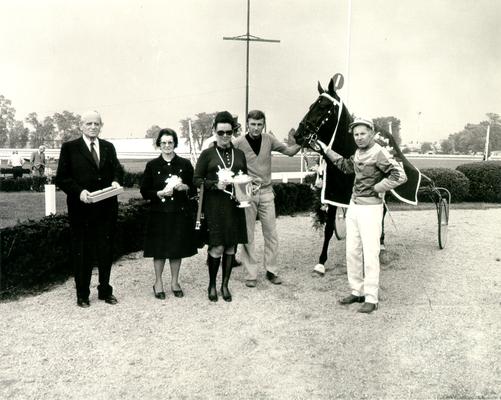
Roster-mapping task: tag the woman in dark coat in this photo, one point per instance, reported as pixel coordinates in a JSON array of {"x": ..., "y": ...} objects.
[
  {"x": 225, "y": 221},
  {"x": 168, "y": 184}
]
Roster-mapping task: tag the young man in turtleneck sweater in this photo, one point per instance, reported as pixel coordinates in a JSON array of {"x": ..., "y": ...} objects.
[{"x": 257, "y": 146}]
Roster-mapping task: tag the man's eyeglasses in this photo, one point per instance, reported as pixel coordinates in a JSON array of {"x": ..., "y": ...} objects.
[
  {"x": 222, "y": 133},
  {"x": 166, "y": 143}
]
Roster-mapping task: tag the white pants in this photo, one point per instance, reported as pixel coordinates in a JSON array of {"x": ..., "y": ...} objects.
[
  {"x": 363, "y": 229},
  {"x": 262, "y": 204}
]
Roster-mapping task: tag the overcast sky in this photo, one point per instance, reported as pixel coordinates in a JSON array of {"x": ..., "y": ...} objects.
[{"x": 155, "y": 62}]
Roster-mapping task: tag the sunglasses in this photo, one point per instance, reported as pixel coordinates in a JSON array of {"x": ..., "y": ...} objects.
[{"x": 222, "y": 133}]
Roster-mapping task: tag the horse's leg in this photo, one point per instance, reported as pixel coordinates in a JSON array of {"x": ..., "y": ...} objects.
[
  {"x": 328, "y": 232},
  {"x": 381, "y": 239}
]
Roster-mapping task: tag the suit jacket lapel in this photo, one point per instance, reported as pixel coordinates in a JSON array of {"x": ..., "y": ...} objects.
[{"x": 86, "y": 152}]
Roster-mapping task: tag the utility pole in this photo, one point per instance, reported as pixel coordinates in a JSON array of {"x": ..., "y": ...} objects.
[
  {"x": 419, "y": 126},
  {"x": 248, "y": 38},
  {"x": 348, "y": 50}
]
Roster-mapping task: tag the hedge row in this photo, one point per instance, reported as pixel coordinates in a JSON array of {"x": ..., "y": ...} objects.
[
  {"x": 485, "y": 181},
  {"x": 34, "y": 183},
  {"x": 10, "y": 170},
  {"x": 132, "y": 179},
  {"x": 291, "y": 198}
]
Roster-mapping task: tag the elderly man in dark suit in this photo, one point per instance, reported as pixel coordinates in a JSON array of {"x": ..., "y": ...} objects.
[{"x": 85, "y": 165}]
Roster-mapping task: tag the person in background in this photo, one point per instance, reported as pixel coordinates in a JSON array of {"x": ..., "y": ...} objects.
[
  {"x": 16, "y": 161},
  {"x": 257, "y": 146},
  {"x": 38, "y": 161},
  {"x": 225, "y": 221},
  {"x": 168, "y": 184},
  {"x": 376, "y": 172},
  {"x": 85, "y": 165}
]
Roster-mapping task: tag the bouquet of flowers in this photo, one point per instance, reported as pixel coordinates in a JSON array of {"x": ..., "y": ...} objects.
[{"x": 171, "y": 182}]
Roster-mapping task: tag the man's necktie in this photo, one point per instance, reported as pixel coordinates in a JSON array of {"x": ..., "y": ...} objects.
[{"x": 94, "y": 153}]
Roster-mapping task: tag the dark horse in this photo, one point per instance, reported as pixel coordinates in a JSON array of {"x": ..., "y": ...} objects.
[{"x": 328, "y": 120}]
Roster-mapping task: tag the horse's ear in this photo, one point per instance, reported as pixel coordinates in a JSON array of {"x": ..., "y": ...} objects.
[
  {"x": 320, "y": 88},
  {"x": 331, "y": 86}
]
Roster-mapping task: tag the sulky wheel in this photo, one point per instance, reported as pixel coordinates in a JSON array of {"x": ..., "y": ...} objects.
[{"x": 340, "y": 223}]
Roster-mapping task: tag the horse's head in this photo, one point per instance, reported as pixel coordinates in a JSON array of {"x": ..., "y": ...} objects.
[{"x": 327, "y": 116}]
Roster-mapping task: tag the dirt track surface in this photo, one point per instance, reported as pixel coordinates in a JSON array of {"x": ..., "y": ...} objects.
[{"x": 436, "y": 334}]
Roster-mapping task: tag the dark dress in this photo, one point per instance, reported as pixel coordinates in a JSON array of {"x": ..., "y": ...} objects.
[
  {"x": 225, "y": 221},
  {"x": 170, "y": 225}
]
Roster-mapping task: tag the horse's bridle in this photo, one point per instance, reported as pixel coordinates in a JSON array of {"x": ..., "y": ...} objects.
[{"x": 312, "y": 131}]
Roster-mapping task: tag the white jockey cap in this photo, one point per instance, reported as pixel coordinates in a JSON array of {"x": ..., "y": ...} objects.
[{"x": 362, "y": 121}]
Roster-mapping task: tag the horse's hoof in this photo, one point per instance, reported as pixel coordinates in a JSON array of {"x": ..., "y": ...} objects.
[{"x": 319, "y": 269}]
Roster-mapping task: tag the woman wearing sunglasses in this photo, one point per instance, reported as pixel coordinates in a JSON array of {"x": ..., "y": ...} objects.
[
  {"x": 168, "y": 184},
  {"x": 225, "y": 221}
]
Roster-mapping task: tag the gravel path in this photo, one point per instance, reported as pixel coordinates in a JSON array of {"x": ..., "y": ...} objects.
[{"x": 436, "y": 334}]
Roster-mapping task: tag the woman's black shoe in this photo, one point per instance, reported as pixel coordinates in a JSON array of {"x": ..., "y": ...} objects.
[
  {"x": 83, "y": 302},
  {"x": 178, "y": 293},
  {"x": 159, "y": 295},
  {"x": 212, "y": 292},
  {"x": 226, "y": 293}
]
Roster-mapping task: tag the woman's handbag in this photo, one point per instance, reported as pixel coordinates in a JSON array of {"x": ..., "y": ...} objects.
[{"x": 201, "y": 232}]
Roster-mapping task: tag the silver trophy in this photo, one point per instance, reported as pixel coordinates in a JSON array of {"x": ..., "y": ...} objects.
[{"x": 242, "y": 184}]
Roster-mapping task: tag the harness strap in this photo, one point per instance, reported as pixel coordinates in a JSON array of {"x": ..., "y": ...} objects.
[
  {"x": 340, "y": 111},
  {"x": 328, "y": 96}
]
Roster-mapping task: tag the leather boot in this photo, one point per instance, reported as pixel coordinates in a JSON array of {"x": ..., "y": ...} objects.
[
  {"x": 213, "y": 264},
  {"x": 228, "y": 260}
]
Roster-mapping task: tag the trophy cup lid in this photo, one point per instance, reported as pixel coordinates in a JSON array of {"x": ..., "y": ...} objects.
[{"x": 242, "y": 178}]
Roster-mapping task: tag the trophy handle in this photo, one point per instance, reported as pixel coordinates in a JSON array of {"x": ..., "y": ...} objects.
[
  {"x": 255, "y": 187},
  {"x": 230, "y": 193},
  {"x": 248, "y": 189}
]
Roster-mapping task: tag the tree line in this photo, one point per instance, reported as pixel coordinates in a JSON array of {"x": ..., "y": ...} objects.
[
  {"x": 471, "y": 139},
  {"x": 51, "y": 131},
  {"x": 32, "y": 131}
]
